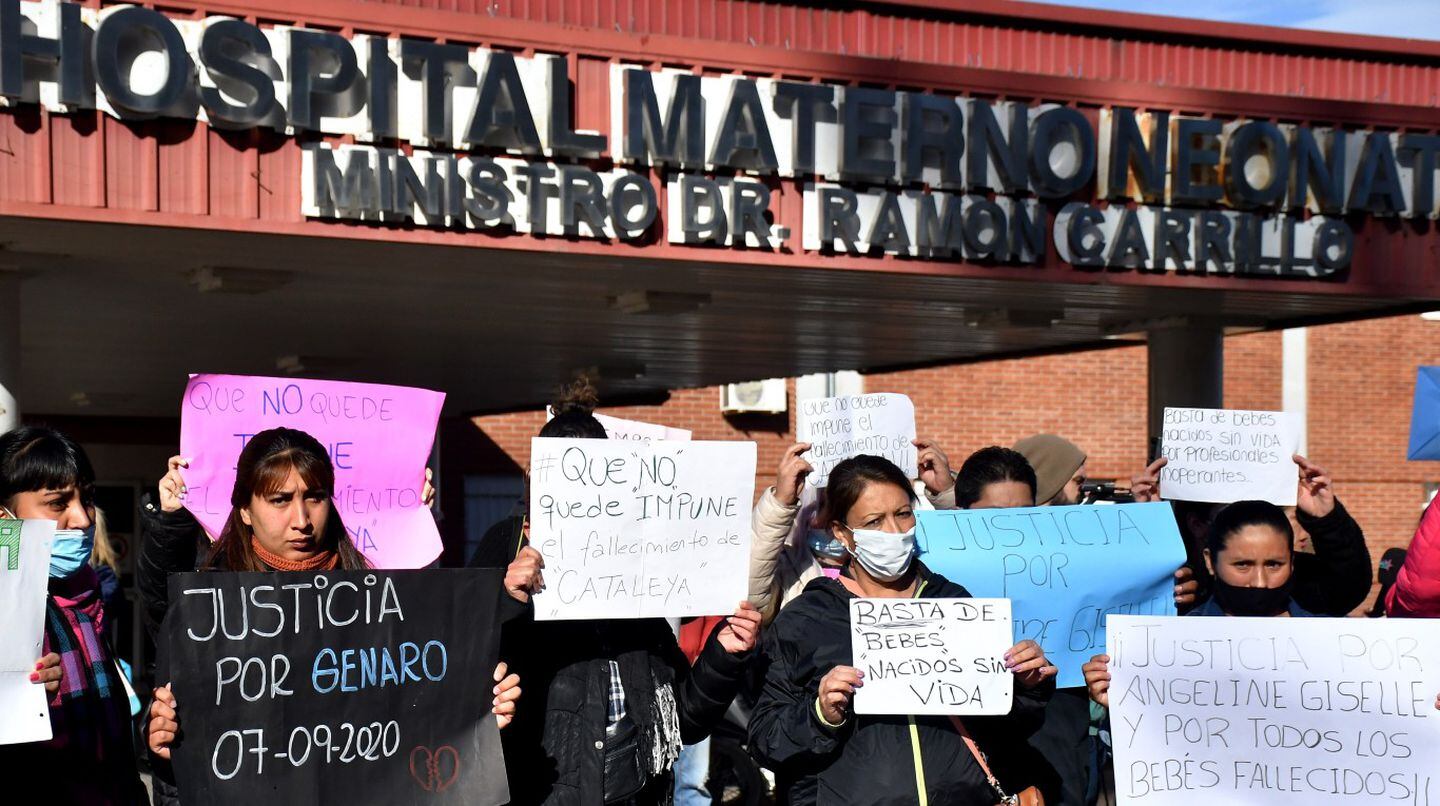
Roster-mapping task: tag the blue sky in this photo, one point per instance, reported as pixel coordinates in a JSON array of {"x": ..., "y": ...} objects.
[{"x": 1403, "y": 18}]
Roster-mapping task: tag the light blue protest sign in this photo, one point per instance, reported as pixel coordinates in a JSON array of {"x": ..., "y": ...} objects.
[{"x": 1063, "y": 568}]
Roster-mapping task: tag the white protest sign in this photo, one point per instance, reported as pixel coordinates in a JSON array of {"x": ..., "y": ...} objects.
[
  {"x": 24, "y": 580},
  {"x": 633, "y": 430},
  {"x": 1226, "y": 455},
  {"x": 932, "y": 656},
  {"x": 1274, "y": 710},
  {"x": 838, "y": 428},
  {"x": 640, "y": 530}
]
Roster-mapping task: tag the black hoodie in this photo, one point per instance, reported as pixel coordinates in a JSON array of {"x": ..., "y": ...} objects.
[{"x": 872, "y": 759}]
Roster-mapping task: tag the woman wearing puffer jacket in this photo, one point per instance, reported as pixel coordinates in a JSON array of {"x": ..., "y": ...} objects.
[
  {"x": 803, "y": 727},
  {"x": 1416, "y": 592}
]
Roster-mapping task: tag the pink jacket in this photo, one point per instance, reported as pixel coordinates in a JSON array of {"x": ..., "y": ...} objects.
[{"x": 1416, "y": 593}]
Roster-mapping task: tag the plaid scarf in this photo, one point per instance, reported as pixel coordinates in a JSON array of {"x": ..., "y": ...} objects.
[{"x": 89, "y": 713}]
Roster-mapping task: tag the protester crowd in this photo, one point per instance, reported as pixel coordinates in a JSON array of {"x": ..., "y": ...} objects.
[{"x": 609, "y": 706}]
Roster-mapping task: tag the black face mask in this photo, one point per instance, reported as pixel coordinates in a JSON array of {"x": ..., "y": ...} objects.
[{"x": 1238, "y": 601}]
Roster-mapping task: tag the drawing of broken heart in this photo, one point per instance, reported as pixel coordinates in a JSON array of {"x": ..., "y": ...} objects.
[{"x": 430, "y": 772}]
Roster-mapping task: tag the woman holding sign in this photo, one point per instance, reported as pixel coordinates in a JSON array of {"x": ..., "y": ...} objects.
[
  {"x": 1250, "y": 551},
  {"x": 618, "y": 698},
  {"x": 803, "y": 727},
  {"x": 282, "y": 519},
  {"x": 46, "y": 475}
]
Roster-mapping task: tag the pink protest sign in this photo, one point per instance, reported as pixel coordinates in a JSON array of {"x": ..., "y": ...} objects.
[{"x": 378, "y": 438}]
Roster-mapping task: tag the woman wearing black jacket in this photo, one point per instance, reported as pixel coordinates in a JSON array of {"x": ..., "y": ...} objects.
[
  {"x": 282, "y": 518},
  {"x": 608, "y": 702},
  {"x": 803, "y": 728}
]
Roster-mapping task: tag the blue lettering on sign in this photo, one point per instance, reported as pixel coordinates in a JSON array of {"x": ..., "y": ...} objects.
[
  {"x": 1064, "y": 569},
  {"x": 350, "y": 670}
]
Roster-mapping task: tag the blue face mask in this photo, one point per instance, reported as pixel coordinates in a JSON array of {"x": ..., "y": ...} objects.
[
  {"x": 70, "y": 551},
  {"x": 822, "y": 544}
]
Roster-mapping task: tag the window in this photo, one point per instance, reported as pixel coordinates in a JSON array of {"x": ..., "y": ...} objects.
[{"x": 489, "y": 499}]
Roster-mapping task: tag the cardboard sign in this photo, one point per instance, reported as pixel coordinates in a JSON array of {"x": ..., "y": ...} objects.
[
  {"x": 1274, "y": 711},
  {"x": 378, "y": 438},
  {"x": 634, "y": 530},
  {"x": 336, "y": 687},
  {"x": 24, "y": 580},
  {"x": 838, "y": 428},
  {"x": 1063, "y": 568},
  {"x": 1227, "y": 455},
  {"x": 932, "y": 656}
]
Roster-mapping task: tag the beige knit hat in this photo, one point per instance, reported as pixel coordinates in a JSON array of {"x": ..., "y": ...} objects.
[{"x": 1055, "y": 460}]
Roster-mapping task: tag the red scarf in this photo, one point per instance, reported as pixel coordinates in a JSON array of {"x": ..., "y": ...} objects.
[{"x": 324, "y": 561}]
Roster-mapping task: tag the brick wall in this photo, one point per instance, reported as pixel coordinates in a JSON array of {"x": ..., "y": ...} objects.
[{"x": 1361, "y": 379}]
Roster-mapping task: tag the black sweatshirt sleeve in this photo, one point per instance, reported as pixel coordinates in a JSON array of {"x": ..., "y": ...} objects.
[
  {"x": 169, "y": 543},
  {"x": 785, "y": 728},
  {"x": 708, "y": 687},
  {"x": 1336, "y": 578}
]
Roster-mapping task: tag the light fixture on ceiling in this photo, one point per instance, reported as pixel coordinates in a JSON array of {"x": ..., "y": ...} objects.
[
  {"x": 618, "y": 370},
  {"x": 237, "y": 280},
  {"x": 1008, "y": 318},
  {"x": 312, "y": 365},
  {"x": 659, "y": 302}
]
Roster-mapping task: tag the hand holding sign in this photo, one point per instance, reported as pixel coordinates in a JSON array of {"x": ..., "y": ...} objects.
[
  {"x": 524, "y": 575},
  {"x": 1097, "y": 679},
  {"x": 933, "y": 466},
  {"x": 172, "y": 485},
  {"x": 1027, "y": 661},
  {"x": 48, "y": 673},
  {"x": 507, "y": 692},
  {"x": 741, "y": 630},
  {"x": 790, "y": 478},
  {"x": 837, "y": 690},
  {"x": 1145, "y": 487},
  {"x": 164, "y": 724},
  {"x": 1315, "y": 497}
]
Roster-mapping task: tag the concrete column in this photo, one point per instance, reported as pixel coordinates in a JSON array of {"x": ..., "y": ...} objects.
[
  {"x": 9, "y": 349},
  {"x": 1186, "y": 368},
  {"x": 1295, "y": 381}
]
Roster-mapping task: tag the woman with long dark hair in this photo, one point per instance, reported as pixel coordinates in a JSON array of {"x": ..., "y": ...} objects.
[
  {"x": 613, "y": 699},
  {"x": 803, "y": 726},
  {"x": 282, "y": 518},
  {"x": 90, "y": 758}
]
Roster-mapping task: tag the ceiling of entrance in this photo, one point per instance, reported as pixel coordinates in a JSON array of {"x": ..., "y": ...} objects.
[{"x": 114, "y": 317}]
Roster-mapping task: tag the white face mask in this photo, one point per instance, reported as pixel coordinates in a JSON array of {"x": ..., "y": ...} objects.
[{"x": 884, "y": 555}]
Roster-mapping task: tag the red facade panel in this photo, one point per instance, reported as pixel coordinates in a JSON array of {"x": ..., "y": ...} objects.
[
  {"x": 132, "y": 179},
  {"x": 183, "y": 166},
  {"x": 1009, "y": 36},
  {"x": 24, "y": 158},
  {"x": 77, "y": 160},
  {"x": 232, "y": 165}
]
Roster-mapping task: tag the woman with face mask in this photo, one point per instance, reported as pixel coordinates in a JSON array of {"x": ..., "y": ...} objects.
[
  {"x": 803, "y": 727},
  {"x": 282, "y": 518},
  {"x": 790, "y": 540},
  {"x": 43, "y": 474},
  {"x": 1250, "y": 551}
]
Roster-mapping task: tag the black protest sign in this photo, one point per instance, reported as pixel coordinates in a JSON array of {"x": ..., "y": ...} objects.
[{"x": 341, "y": 687}]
